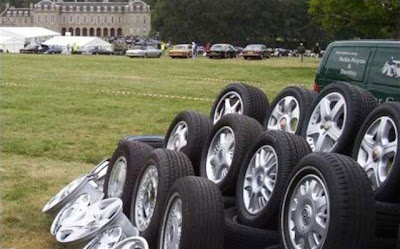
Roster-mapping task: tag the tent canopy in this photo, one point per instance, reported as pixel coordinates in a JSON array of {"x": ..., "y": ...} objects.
[
  {"x": 11, "y": 44},
  {"x": 27, "y": 32},
  {"x": 83, "y": 42}
]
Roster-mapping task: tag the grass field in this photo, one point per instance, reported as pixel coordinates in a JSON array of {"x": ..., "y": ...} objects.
[{"x": 62, "y": 114}]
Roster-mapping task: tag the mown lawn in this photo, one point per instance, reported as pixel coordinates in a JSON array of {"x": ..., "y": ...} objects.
[{"x": 62, "y": 114}]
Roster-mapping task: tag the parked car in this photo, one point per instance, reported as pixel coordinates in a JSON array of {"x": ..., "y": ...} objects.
[
  {"x": 370, "y": 64},
  {"x": 31, "y": 49},
  {"x": 120, "y": 48},
  {"x": 144, "y": 52},
  {"x": 255, "y": 51},
  {"x": 239, "y": 50},
  {"x": 279, "y": 52},
  {"x": 99, "y": 51},
  {"x": 222, "y": 51},
  {"x": 181, "y": 51},
  {"x": 52, "y": 49},
  {"x": 200, "y": 50}
]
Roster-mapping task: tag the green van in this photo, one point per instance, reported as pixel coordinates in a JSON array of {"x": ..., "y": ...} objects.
[{"x": 370, "y": 64}]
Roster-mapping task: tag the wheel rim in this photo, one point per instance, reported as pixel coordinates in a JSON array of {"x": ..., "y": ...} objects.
[
  {"x": 132, "y": 243},
  {"x": 66, "y": 191},
  {"x": 220, "y": 154},
  {"x": 80, "y": 225},
  {"x": 117, "y": 178},
  {"x": 308, "y": 213},
  {"x": 172, "y": 224},
  {"x": 146, "y": 198},
  {"x": 230, "y": 103},
  {"x": 285, "y": 116},
  {"x": 100, "y": 170},
  {"x": 107, "y": 239},
  {"x": 378, "y": 150},
  {"x": 327, "y": 122},
  {"x": 179, "y": 137},
  {"x": 260, "y": 179}
]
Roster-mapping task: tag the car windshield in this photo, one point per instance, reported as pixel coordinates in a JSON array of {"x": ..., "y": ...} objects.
[
  {"x": 253, "y": 46},
  {"x": 31, "y": 46},
  {"x": 150, "y": 47},
  {"x": 180, "y": 47},
  {"x": 217, "y": 46},
  {"x": 139, "y": 47}
]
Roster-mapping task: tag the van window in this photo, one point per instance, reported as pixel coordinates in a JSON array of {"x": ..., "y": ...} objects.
[
  {"x": 385, "y": 68},
  {"x": 347, "y": 63}
]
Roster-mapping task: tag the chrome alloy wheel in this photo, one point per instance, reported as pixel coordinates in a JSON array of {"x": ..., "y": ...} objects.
[
  {"x": 107, "y": 239},
  {"x": 146, "y": 198},
  {"x": 308, "y": 213},
  {"x": 117, "y": 178},
  {"x": 171, "y": 229},
  {"x": 260, "y": 179},
  {"x": 99, "y": 172},
  {"x": 230, "y": 103},
  {"x": 285, "y": 116},
  {"x": 83, "y": 225},
  {"x": 378, "y": 150},
  {"x": 327, "y": 122},
  {"x": 220, "y": 154},
  {"x": 132, "y": 243},
  {"x": 179, "y": 137}
]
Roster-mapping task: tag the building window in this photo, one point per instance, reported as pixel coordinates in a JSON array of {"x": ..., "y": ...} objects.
[
  {"x": 144, "y": 19},
  {"x": 64, "y": 19},
  {"x": 112, "y": 19},
  {"x": 45, "y": 19},
  {"x": 70, "y": 19},
  {"x": 138, "y": 19},
  {"x": 52, "y": 19},
  {"x": 120, "y": 20},
  {"x": 84, "y": 19}
]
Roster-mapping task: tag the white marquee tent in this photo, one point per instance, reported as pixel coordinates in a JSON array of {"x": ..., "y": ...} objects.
[
  {"x": 11, "y": 44},
  {"x": 84, "y": 43},
  {"x": 28, "y": 34}
]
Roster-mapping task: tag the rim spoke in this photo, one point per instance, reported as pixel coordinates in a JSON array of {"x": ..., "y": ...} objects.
[
  {"x": 382, "y": 129},
  {"x": 334, "y": 132},
  {"x": 313, "y": 129},
  {"x": 325, "y": 109},
  {"x": 367, "y": 143},
  {"x": 389, "y": 148},
  {"x": 227, "y": 105},
  {"x": 338, "y": 109}
]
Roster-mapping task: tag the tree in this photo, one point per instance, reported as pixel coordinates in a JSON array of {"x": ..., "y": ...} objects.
[{"x": 357, "y": 18}]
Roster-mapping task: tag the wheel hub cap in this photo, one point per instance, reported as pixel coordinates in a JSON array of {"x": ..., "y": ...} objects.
[
  {"x": 117, "y": 178},
  {"x": 179, "y": 137},
  {"x": 172, "y": 224},
  {"x": 285, "y": 115}
]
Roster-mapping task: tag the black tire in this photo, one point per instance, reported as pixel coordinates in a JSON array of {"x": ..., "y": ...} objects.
[
  {"x": 289, "y": 150},
  {"x": 387, "y": 219},
  {"x": 359, "y": 103},
  {"x": 245, "y": 130},
  {"x": 202, "y": 214},
  {"x": 383, "y": 243},
  {"x": 245, "y": 57},
  {"x": 199, "y": 128},
  {"x": 155, "y": 141},
  {"x": 352, "y": 212},
  {"x": 170, "y": 165},
  {"x": 135, "y": 154},
  {"x": 229, "y": 202},
  {"x": 255, "y": 102},
  {"x": 275, "y": 247},
  {"x": 389, "y": 190},
  {"x": 238, "y": 236},
  {"x": 303, "y": 97}
]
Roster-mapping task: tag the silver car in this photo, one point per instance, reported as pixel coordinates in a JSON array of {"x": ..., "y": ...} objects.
[{"x": 144, "y": 52}]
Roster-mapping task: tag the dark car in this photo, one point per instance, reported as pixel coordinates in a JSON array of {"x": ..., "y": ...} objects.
[
  {"x": 52, "y": 49},
  {"x": 255, "y": 51},
  {"x": 31, "y": 49},
  {"x": 222, "y": 51},
  {"x": 100, "y": 51}
]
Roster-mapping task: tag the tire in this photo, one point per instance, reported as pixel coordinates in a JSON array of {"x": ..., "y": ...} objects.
[
  {"x": 135, "y": 155},
  {"x": 343, "y": 184},
  {"x": 252, "y": 101},
  {"x": 387, "y": 219},
  {"x": 202, "y": 214},
  {"x": 229, "y": 202},
  {"x": 358, "y": 104},
  {"x": 155, "y": 141},
  {"x": 245, "y": 130},
  {"x": 383, "y": 243},
  {"x": 238, "y": 236},
  {"x": 245, "y": 57},
  {"x": 275, "y": 247},
  {"x": 170, "y": 166},
  {"x": 198, "y": 130},
  {"x": 385, "y": 189},
  {"x": 284, "y": 151},
  {"x": 291, "y": 95}
]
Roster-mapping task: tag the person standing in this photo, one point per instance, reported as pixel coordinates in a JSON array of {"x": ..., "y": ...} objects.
[
  {"x": 194, "y": 50},
  {"x": 317, "y": 50},
  {"x": 302, "y": 51}
]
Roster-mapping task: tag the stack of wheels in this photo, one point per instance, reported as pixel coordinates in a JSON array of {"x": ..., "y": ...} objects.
[
  {"x": 376, "y": 149},
  {"x": 288, "y": 109},
  {"x": 239, "y": 98},
  {"x": 335, "y": 116},
  {"x": 263, "y": 177}
]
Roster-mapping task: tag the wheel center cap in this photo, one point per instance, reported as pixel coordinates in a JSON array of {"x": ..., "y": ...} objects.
[
  {"x": 376, "y": 152},
  {"x": 283, "y": 123},
  {"x": 306, "y": 215},
  {"x": 327, "y": 125},
  {"x": 259, "y": 179}
]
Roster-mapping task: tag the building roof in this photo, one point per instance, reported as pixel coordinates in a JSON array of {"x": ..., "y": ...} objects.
[
  {"x": 80, "y": 41},
  {"x": 10, "y": 40},
  {"x": 26, "y": 32}
]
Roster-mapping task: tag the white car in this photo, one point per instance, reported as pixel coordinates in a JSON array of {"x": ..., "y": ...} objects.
[{"x": 144, "y": 52}]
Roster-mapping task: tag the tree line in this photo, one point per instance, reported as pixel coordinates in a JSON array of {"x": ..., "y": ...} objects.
[{"x": 275, "y": 22}]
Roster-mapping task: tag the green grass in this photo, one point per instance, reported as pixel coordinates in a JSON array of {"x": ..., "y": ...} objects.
[{"x": 62, "y": 114}]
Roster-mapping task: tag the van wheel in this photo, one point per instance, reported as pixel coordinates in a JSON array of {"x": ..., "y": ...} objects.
[
  {"x": 377, "y": 150},
  {"x": 335, "y": 116},
  {"x": 193, "y": 216},
  {"x": 226, "y": 148},
  {"x": 264, "y": 176},
  {"x": 188, "y": 133},
  {"x": 289, "y": 108},
  {"x": 324, "y": 188},
  {"x": 240, "y": 99}
]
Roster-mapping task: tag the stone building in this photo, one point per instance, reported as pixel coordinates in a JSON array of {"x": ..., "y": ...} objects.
[{"x": 102, "y": 19}]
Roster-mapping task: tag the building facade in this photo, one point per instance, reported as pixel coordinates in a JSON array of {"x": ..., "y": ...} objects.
[{"x": 102, "y": 19}]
